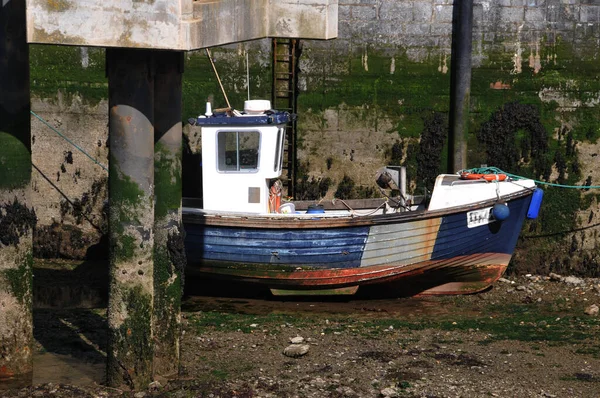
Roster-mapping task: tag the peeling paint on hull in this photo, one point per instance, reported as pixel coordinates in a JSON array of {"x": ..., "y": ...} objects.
[
  {"x": 412, "y": 255},
  {"x": 463, "y": 275}
]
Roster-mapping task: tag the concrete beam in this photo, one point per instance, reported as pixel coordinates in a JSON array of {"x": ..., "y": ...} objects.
[{"x": 177, "y": 24}]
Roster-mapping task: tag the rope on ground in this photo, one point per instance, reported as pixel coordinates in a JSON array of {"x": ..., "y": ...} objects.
[
  {"x": 495, "y": 170},
  {"x": 68, "y": 140}
]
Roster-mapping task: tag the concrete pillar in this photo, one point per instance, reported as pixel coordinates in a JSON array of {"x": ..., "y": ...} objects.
[
  {"x": 169, "y": 254},
  {"x": 17, "y": 220},
  {"x": 460, "y": 84},
  {"x": 131, "y": 194}
]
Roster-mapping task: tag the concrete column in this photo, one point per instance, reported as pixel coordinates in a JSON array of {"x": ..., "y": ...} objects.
[
  {"x": 131, "y": 194},
  {"x": 16, "y": 219},
  {"x": 460, "y": 84},
  {"x": 169, "y": 254}
]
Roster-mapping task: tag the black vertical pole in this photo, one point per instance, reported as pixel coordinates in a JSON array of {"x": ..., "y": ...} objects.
[{"x": 460, "y": 83}]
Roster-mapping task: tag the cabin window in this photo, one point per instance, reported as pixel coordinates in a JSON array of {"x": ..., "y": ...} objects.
[
  {"x": 279, "y": 149},
  {"x": 238, "y": 150}
]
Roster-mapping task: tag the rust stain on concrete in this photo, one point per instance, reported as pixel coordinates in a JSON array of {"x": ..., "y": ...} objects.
[{"x": 500, "y": 86}]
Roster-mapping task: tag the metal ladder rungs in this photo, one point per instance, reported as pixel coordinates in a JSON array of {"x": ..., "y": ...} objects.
[{"x": 284, "y": 91}]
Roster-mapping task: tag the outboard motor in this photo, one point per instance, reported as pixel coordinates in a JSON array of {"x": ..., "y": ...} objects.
[{"x": 394, "y": 178}]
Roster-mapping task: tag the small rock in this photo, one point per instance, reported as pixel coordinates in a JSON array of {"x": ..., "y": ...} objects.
[
  {"x": 527, "y": 299},
  {"x": 346, "y": 392},
  {"x": 592, "y": 310},
  {"x": 296, "y": 350},
  {"x": 521, "y": 288},
  {"x": 155, "y": 385},
  {"x": 297, "y": 340},
  {"x": 140, "y": 394},
  {"x": 504, "y": 280},
  {"x": 389, "y": 392},
  {"x": 254, "y": 325},
  {"x": 555, "y": 277},
  {"x": 573, "y": 280},
  {"x": 319, "y": 382}
]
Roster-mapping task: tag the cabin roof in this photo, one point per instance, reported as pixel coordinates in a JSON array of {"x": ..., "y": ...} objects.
[{"x": 223, "y": 119}]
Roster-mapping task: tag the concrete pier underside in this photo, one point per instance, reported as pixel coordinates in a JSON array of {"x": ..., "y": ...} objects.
[{"x": 177, "y": 24}]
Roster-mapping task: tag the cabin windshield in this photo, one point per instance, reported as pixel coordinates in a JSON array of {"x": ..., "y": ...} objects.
[{"x": 238, "y": 150}]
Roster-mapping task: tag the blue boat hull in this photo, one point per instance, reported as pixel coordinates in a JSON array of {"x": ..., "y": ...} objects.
[{"x": 427, "y": 253}]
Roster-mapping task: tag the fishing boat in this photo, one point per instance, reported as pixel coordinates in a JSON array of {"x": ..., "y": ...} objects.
[{"x": 457, "y": 240}]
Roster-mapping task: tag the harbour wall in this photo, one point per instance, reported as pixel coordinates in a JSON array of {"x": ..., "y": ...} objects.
[{"x": 376, "y": 95}]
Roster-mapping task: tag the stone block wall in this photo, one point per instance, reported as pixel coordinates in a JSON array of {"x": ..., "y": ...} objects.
[
  {"x": 69, "y": 92},
  {"x": 374, "y": 96},
  {"x": 69, "y": 188}
]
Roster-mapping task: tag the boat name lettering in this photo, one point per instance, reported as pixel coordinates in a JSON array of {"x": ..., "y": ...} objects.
[{"x": 477, "y": 218}]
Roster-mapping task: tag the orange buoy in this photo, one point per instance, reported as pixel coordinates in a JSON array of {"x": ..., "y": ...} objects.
[{"x": 488, "y": 177}]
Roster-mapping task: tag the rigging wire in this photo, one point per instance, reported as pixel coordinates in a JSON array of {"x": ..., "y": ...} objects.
[{"x": 68, "y": 140}]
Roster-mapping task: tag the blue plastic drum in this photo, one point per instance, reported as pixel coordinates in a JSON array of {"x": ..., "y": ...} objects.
[{"x": 315, "y": 209}]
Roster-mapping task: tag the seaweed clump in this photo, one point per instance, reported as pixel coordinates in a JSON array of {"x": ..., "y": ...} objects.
[
  {"x": 83, "y": 208},
  {"x": 345, "y": 188},
  {"x": 311, "y": 188},
  {"x": 176, "y": 248},
  {"x": 429, "y": 157},
  {"x": 61, "y": 241},
  {"x": 16, "y": 220},
  {"x": 514, "y": 133}
]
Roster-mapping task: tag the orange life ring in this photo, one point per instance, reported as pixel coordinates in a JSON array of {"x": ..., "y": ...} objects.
[{"x": 487, "y": 177}]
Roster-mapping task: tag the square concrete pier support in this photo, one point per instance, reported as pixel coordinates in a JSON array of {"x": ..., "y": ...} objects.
[
  {"x": 131, "y": 220},
  {"x": 17, "y": 219},
  {"x": 169, "y": 252}
]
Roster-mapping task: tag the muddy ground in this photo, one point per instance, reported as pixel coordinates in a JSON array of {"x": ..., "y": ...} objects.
[{"x": 530, "y": 338}]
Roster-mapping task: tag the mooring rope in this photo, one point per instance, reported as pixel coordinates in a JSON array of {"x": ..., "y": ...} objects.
[
  {"x": 354, "y": 212},
  {"x": 495, "y": 170},
  {"x": 68, "y": 140}
]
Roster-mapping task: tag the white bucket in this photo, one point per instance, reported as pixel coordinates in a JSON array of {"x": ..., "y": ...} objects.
[{"x": 287, "y": 208}]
